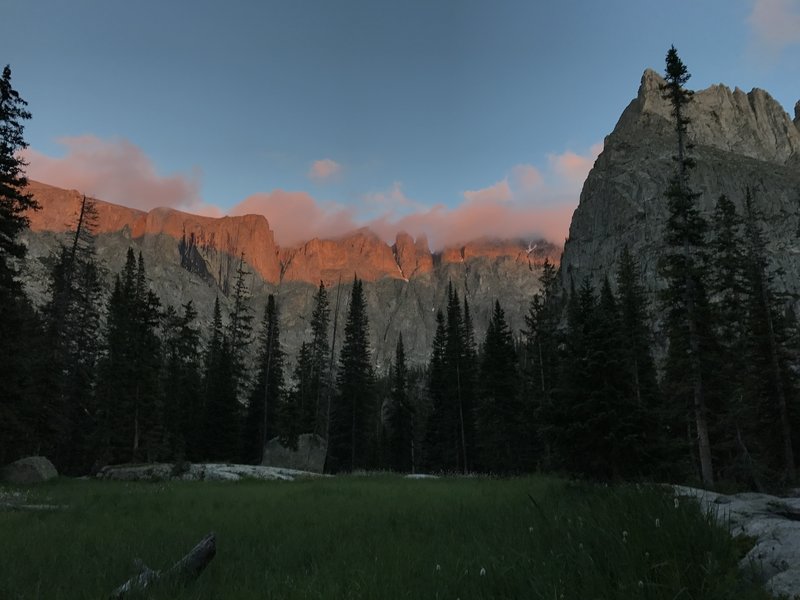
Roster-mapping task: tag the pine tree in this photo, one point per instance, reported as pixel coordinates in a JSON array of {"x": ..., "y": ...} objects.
[
  {"x": 314, "y": 410},
  {"x": 400, "y": 415},
  {"x": 657, "y": 422},
  {"x": 182, "y": 383},
  {"x": 771, "y": 379},
  {"x": 459, "y": 409},
  {"x": 353, "y": 409},
  {"x": 734, "y": 430},
  {"x": 267, "y": 409},
  {"x": 72, "y": 322},
  {"x": 17, "y": 318},
  {"x": 221, "y": 419},
  {"x": 684, "y": 269},
  {"x": 499, "y": 408},
  {"x": 541, "y": 362},
  {"x": 435, "y": 432},
  {"x": 240, "y": 329},
  {"x": 132, "y": 420}
]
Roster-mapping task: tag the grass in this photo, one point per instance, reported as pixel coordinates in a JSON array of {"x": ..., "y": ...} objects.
[{"x": 380, "y": 537}]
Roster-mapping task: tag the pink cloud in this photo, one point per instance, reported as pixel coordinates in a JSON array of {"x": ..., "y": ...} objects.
[
  {"x": 526, "y": 203},
  {"x": 323, "y": 170},
  {"x": 775, "y": 23},
  {"x": 497, "y": 193},
  {"x": 573, "y": 168},
  {"x": 296, "y": 217},
  {"x": 527, "y": 177},
  {"x": 116, "y": 171}
]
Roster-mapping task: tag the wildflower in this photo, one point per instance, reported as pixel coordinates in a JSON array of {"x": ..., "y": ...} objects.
[
  {"x": 677, "y": 503},
  {"x": 641, "y": 584},
  {"x": 438, "y": 567},
  {"x": 580, "y": 546},
  {"x": 658, "y": 522},
  {"x": 624, "y": 537},
  {"x": 530, "y": 529},
  {"x": 483, "y": 571}
]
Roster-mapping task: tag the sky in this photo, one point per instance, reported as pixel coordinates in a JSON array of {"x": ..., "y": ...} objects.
[{"x": 453, "y": 118}]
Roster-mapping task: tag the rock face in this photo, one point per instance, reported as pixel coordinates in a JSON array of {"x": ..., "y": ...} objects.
[
  {"x": 741, "y": 139},
  {"x": 309, "y": 456},
  {"x": 773, "y": 522},
  {"x": 25, "y": 471},
  {"x": 190, "y": 257}
]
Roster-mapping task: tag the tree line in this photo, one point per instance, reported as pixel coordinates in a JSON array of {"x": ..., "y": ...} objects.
[{"x": 97, "y": 377}]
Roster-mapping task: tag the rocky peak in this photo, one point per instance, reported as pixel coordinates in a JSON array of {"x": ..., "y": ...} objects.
[
  {"x": 740, "y": 140},
  {"x": 413, "y": 257},
  {"x": 750, "y": 124}
]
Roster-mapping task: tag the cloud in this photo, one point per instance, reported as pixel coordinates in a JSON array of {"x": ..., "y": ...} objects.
[
  {"x": 116, "y": 171},
  {"x": 775, "y": 25},
  {"x": 494, "y": 194},
  {"x": 573, "y": 168},
  {"x": 296, "y": 217},
  {"x": 324, "y": 170},
  {"x": 526, "y": 202}
]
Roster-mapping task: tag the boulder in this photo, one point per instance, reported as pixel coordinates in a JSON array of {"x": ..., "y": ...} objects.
[
  {"x": 309, "y": 456},
  {"x": 33, "y": 469}
]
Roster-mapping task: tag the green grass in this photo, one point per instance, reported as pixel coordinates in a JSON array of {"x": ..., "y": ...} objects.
[{"x": 378, "y": 537}]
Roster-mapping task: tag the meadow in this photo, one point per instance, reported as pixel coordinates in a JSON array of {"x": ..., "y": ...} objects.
[{"x": 377, "y": 536}]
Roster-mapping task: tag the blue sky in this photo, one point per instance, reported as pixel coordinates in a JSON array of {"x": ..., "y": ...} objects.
[{"x": 330, "y": 114}]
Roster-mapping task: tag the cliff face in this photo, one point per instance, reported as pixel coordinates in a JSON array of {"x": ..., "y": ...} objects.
[
  {"x": 741, "y": 140},
  {"x": 189, "y": 257}
]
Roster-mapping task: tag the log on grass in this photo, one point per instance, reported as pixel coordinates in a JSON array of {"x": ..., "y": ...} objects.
[{"x": 187, "y": 568}]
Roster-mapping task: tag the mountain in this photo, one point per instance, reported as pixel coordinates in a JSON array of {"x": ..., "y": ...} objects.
[
  {"x": 740, "y": 139},
  {"x": 191, "y": 257}
]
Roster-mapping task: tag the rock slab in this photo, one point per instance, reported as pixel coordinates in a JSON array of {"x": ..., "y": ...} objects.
[
  {"x": 198, "y": 472},
  {"x": 25, "y": 471},
  {"x": 773, "y": 522},
  {"x": 309, "y": 456}
]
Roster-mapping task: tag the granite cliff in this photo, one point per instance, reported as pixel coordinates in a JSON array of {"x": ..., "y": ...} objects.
[
  {"x": 194, "y": 257},
  {"x": 740, "y": 139}
]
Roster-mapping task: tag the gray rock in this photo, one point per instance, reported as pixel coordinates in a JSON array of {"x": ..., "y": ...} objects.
[
  {"x": 773, "y": 522},
  {"x": 309, "y": 456},
  {"x": 33, "y": 469},
  {"x": 199, "y": 472},
  {"x": 740, "y": 140}
]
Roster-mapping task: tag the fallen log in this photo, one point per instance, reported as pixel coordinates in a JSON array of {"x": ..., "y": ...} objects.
[{"x": 187, "y": 568}]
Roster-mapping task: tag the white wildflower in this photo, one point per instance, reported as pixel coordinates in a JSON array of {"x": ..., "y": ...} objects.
[
  {"x": 624, "y": 537},
  {"x": 438, "y": 567},
  {"x": 658, "y": 522},
  {"x": 483, "y": 571},
  {"x": 677, "y": 502}
]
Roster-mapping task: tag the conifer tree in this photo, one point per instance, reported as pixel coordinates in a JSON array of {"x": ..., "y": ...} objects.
[
  {"x": 684, "y": 269},
  {"x": 657, "y": 422},
  {"x": 541, "y": 363},
  {"x": 17, "y": 318},
  {"x": 221, "y": 416},
  {"x": 499, "y": 427},
  {"x": 727, "y": 287},
  {"x": 353, "y": 410},
  {"x": 435, "y": 440},
  {"x": 400, "y": 415},
  {"x": 72, "y": 324},
  {"x": 314, "y": 409},
  {"x": 266, "y": 409},
  {"x": 240, "y": 329},
  {"x": 771, "y": 378},
  {"x": 131, "y": 400},
  {"x": 182, "y": 382}
]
